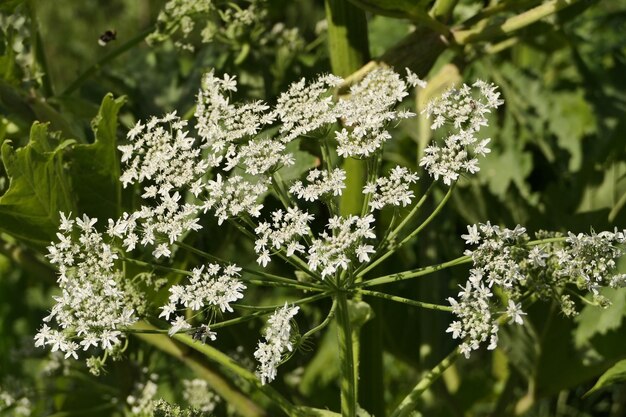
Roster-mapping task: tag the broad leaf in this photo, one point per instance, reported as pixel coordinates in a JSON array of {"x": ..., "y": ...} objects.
[
  {"x": 38, "y": 189},
  {"x": 616, "y": 374},
  {"x": 95, "y": 167}
]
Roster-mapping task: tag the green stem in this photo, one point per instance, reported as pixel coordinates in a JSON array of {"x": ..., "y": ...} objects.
[
  {"x": 403, "y": 300},
  {"x": 408, "y": 404},
  {"x": 395, "y": 247},
  {"x": 429, "y": 218},
  {"x": 227, "y": 391},
  {"x": 225, "y": 361},
  {"x": 279, "y": 187},
  {"x": 346, "y": 358},
  {"x": 412, "y": 213},
  {"x": 414, "y": 273},
  {"x": 324, "y": 323},
  {"x": 92, "y": 69},
  {"x": 275, "y": 278},
  {"x": 512, "y": 24}
]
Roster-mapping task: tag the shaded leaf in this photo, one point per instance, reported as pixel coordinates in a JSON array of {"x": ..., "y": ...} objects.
[
  {"x": 616, "y": 374},
  {"x": 95, "y": 167}
]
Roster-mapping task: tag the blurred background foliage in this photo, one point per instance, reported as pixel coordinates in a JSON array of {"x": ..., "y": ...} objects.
[{"x": 558, "y": 162}]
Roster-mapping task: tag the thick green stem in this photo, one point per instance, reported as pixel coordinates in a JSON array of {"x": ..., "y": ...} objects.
[
  {"x": 408, "y": 404},
  {"x": 512, "y": 24},
  {"x": 349, "y": 50},
  {"x": 442, "y": 9},
  {"x": 346, "y": 358}
]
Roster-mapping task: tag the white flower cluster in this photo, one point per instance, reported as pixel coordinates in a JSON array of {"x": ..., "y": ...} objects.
[
  {"x": 466, "y": 112},
  {"x": 92, "y": 308},
  {"x": 305, "y": 108},
  {"x": 19, "y": 406},
  {"x": 277, "y": 337},
  {"x": 235, "y": 196},
  {"x": 505, "y": 260},
  {"x": 141, "y": 401},
  {"x": 393, "y": 190},
  {"x": 162, "y": 154},
  {"x": 284, "y": 231},
  {"x": 591, "y": 258},
  {"x": 321, "y": 184},
  {"x": 258, "y": 156},
  {"x": 199, "y": 396},
  {"x": 337, "y": 250},
  {"x": 208, "y": 287},
  {"x": 368, "y": 109},
  {"x": 496, "y": 262},
  {"x": 221, "y": 123}
]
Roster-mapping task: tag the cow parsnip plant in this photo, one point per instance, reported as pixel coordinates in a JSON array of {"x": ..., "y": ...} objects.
[
  {"x": 225, "y": 166},
  {"x": 304, "y": 180}
]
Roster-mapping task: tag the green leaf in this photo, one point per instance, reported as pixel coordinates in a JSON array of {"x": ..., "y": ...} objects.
[
  {"x": 38, "y": 188},
  {"x": 95, "y": 167},
  {"x": 593, "y": 320},
  {"x": 616, "y": 374}
]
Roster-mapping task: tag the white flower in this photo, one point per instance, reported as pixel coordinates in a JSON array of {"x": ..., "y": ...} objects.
[
  {"x": 178, "y": 324},
  {"x": 514, "y": 311},
  {"x": 472, "y": 237},
  {"x": 92, "y": 303},
  {"x": 414, "y": 80},
  {"x": 235, "y": 196},
  {"x": 306, "y": 108},
  {"x": 367, "y": 110}
]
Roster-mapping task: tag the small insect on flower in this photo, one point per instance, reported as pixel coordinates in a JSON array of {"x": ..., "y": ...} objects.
[{"x": 106, "y": 37}]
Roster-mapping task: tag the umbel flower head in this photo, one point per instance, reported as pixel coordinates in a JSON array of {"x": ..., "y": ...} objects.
[
  {"x": 464, "y": 110},
  {"x": 92, "y": 309},
  {"x": 506, "y": 262}
]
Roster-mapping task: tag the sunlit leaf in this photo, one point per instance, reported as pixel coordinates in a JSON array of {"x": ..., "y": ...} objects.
[{"x": 39, "y": 188}]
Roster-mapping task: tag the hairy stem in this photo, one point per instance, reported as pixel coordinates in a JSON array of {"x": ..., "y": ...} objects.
[
  {"x": 414, "y": 273},
  {"x": 403, "y": 300}
]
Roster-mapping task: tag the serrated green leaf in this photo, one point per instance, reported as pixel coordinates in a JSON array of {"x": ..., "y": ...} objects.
[
  {"x": 593, "y": 320},
  {"x": 95, "y": 167},
  {"x": 38, "y": 188},
  {"x": 616, "y": 374}
]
